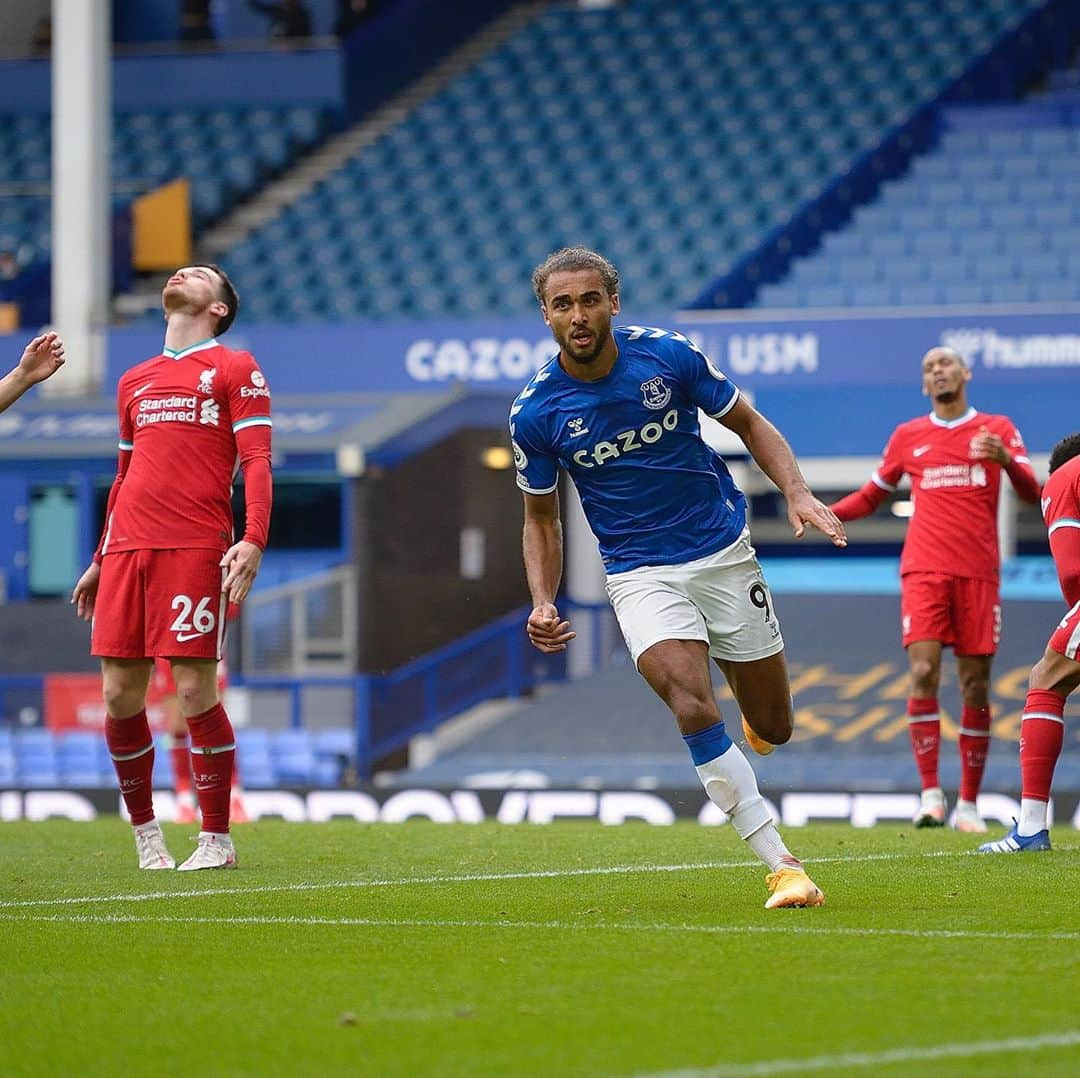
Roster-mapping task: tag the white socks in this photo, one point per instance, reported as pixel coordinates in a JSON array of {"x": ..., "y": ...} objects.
[
  {"x": 1033, "y": 816},
  {"x": 730, "y": 782}
]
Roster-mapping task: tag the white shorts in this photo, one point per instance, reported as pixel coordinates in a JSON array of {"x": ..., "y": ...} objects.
[{"x": 721, "y": 599}]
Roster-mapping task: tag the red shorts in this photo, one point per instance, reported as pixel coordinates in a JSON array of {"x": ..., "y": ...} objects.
[
  {"x": 1066, "y": 638},
  {"x": 960, "y": 612},
  {"x": 159, "y": 602}
]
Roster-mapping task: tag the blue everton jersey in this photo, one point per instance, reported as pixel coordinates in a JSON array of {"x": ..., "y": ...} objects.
[{"x": 653, "y": 491}]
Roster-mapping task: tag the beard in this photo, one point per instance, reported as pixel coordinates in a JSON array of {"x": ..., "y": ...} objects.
[
  {"x": 946, "y": 396},
  {"x": 589, "y": 355}
]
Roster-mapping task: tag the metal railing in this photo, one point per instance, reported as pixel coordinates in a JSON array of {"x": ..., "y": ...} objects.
[{"x": 303, "y": 629}]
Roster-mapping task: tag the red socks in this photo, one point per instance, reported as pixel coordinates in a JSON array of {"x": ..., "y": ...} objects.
[
  {"x": 924, "y": 726},
  {"x": 974, "y": 744},
  {"x": 213, "y": 748},
  {"x": 132, "y": 751},
  {"x": 181, "y": 763},
  {"x": 1042, "y": 731}
]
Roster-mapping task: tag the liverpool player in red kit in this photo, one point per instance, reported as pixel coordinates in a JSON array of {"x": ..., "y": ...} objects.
[
  {"x": 1057, "y": 673},
  {"x": 167, "y": 566},
  {"x": 950, "y": 566}
]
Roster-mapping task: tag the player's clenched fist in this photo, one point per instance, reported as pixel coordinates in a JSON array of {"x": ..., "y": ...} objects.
[
  {"x": 85, "y": 592},
  {"x": 989, "y": 446},
  {"x": 546, "y": 630}
]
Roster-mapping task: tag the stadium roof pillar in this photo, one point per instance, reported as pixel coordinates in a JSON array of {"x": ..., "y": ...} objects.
[{"x": 82, "y": 135}]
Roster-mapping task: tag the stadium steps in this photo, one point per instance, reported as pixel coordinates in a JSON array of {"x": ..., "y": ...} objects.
[{"x": 334, "y": 153}]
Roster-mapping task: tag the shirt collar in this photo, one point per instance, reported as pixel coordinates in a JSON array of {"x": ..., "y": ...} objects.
[
  {"x": 210, "y": 342},
  {"x": 950, "y": 423}
]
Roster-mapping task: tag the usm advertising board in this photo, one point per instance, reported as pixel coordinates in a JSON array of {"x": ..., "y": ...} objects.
[{"x": 835, "y": 383}]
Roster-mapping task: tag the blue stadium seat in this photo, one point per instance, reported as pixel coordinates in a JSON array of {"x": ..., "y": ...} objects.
[
  {"x": 8, "y": 768},
  {"x": 993, "y": 269},
  {"x": 947, "y": 268},
  {"x": 871, "y": 295},
  {"x": 254, "y": 760},
  {"x": 1014, "y": 291},
  {"x": 979, "y": 243},
  {"x": 1059, "y": 290},
  {"x": 962, "y": 293},
  {"x": 35, "y": 758},
  {"x": 294, "y": 759},
  {"x": 932, "y": 244},
  {"x": 78, "y": 758},
  {"x": 918, "y": 295}
]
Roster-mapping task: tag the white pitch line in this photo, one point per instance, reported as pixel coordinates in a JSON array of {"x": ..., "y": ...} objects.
[
  {"x": 958, "y": 1050},
  {"x": 486, "y": 877},
  {"x": 560, "y": 926}
]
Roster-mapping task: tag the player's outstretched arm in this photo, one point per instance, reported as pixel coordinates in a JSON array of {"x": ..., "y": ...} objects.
[
  {"x": 85, "y": 594},
  {"x": 861, "y": 503},
  {"x": 542, "y": 547},
  {"x": 41, "y": 359},
  {"x": 774, "y": 457}
]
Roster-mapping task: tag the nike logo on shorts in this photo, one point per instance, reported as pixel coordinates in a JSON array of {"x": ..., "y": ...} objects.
[{"x": 183, "y": 638}]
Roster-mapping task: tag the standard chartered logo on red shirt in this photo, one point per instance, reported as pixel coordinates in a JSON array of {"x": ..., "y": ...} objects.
[
  {"x": 953, "y": 475},
  {"x": 176, "y": 409}
]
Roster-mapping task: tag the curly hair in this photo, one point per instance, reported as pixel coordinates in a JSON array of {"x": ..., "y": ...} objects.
[
  {"x": 1064, "y": 451},
  {"x": 570, "y": 259}
]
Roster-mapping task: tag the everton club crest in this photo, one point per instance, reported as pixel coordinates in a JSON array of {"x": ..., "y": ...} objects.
[{"x": 655, "y": 394}]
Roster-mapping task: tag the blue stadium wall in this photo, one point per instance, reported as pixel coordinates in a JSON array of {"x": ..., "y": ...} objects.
[{"x": 835, "y": 385}]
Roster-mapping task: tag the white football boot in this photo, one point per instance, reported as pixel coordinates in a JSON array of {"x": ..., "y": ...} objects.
[
  {"x": 932, "y": 808},
  {"x": 213, "y": 851},
  {"x": 150, "y": 844},
  {"x": 966, "y": 818}
]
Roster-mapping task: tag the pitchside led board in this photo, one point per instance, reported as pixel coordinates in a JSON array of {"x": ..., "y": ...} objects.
[{"x": 836, "y": 385}]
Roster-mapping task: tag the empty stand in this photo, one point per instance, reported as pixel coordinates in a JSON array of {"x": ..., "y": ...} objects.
[
  {"x": 226, "y": 153},
  {"x": 990, "y": 216},
  {"x": 673, "y": 136}
]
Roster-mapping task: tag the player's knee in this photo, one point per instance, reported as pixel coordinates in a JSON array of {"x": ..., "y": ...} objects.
[
  {"x": 975, "y": 690},
  {"x": 923, "y": 673},
  {"x": 195, "y": 698},
  {"x": 694, "y": 713},
  {"x": 1042, "y": 676},
  {"x": 775, "y": 723},
  {"x": 122, "y": 700},
  {"x": 782, "y": 727}
]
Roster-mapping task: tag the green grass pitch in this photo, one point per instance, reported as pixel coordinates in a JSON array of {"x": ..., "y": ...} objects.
[{"x": 571, "y": 950}]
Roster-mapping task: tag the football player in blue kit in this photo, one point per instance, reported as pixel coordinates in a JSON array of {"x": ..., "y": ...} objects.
[{"x": 617, "y": 408}]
